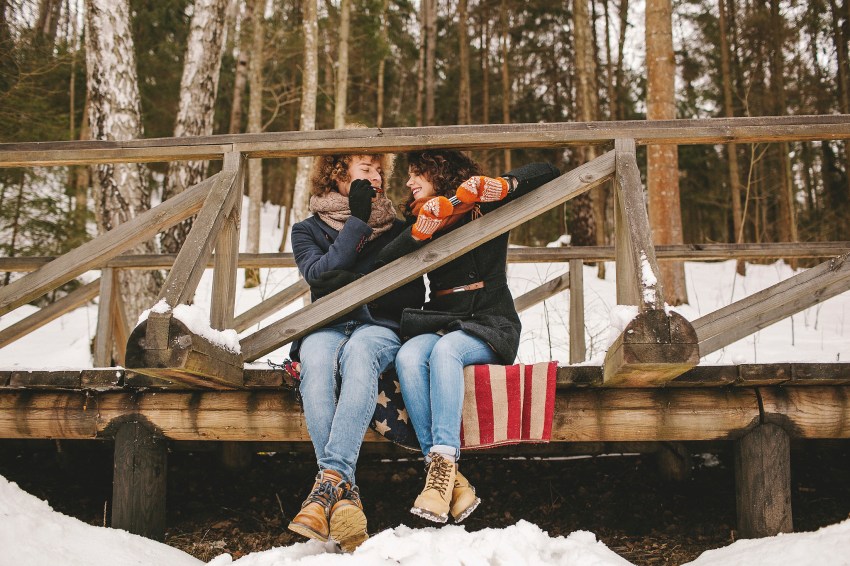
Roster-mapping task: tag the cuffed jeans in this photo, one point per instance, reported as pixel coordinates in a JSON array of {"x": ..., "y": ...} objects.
[
  {"x": 430, "y": 370},
  {"x": 340, "y": 366}
]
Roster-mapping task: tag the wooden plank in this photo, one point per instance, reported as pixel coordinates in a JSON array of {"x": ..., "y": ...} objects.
[
  {"x": 227, "y": 251},
  {"x": 120, "y": 328},
  {"x": 626, "y": 268},
  {"x": 103, "y": 337},
  {"x": 42, "y": 379},
  {"x": 396, "y": 140},
  {"x": 139, "y": 481},
  {"x": 179, "y": 287},
  {"x": 578, "y": 349},
  {"x": 634, "y": 235},
  {"x": 742, "y": 318},
  {"x": 820, "y": 374},
  {"x": 271, "y": 305},
  {"x": 71, "y": 301},
  {"x": 99, "y": 250},
  {"x": 678, "y": 252},
  {"x": 763, "y": 482},
  {"x": 542, "y": 292},
  {"x": 654, "y": 348},
  {"x": 102, "y": 379},
  {"x": 579, "y": 376},
  {"x": 706, "y": 376},
  {"x": 808, "y": 412},
  {"x": 750, "y": 375},
  {"x": 432, "y": 255}
]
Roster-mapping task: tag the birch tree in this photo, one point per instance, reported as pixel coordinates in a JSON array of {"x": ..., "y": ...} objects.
[
  {"x": 665, "y": 214},
  {"x": 309, "y": 84},
  {"x": 463, "y": 96},
  {"x": 198, "y": 88},
  {"x": 240, "y": 80},
  {"x": 342, "y": 64},
  {"x": 255, "y": 126},
  {"x": 120, "y": 192}
]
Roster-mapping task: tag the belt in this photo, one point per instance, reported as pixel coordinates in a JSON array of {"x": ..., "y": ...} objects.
[{"x": 470, "y": 287}]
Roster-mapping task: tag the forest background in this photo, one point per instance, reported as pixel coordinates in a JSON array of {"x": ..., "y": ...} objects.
[{"x": 204, "y": 67}]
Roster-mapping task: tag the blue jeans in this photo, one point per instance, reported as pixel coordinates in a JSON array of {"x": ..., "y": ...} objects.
[
  {"x": 430, "y": 370},
  {"x": 340, "y": 366}
]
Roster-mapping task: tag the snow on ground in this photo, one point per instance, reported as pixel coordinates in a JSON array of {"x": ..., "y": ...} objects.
[{"x": 35, "y": 535}]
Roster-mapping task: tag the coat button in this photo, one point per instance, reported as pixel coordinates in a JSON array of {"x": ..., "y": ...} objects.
[{"x": 472, "y": 275}]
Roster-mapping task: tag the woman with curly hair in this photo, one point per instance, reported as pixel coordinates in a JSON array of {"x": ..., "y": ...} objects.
[
  {"x": 469, "y": 319},
  {"x": 340, "y": 363}
]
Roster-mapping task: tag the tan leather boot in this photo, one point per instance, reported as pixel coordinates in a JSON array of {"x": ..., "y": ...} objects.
[
  {"x": 434, "y": 501},
  {"x": 464, "y": 501},
  {"x": 312, "y": 520},
  {"x": 348, "y": 521}
]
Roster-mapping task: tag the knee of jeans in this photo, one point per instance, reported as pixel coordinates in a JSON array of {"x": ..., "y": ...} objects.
[
  {"x": 445, "y": 349},
  {"x": 408, "y": 358}
]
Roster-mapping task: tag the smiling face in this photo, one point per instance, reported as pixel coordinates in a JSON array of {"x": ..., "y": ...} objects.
[
  {"x": 420, "y": 186},
  {"x": 361, "y": 167}
]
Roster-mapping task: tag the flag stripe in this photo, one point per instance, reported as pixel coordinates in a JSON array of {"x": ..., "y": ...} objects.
[
  {"x": 499, "y": 388},
  {"x": 538, "y": 404},
  {"x": 513, "y": 381},
  {"x": 526, "y": 408},
  {"x": 551, "y": 370},
  {"x": 469, "y": 428},
  {"x": 484, "y": 399}
]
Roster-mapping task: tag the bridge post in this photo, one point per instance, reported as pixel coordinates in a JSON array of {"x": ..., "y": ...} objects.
[
  {"x": 763, "y": 482},
  {"x": 139, "y": 481}
]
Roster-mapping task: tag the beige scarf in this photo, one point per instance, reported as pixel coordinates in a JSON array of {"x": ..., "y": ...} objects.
[{"x": 332, "y": 209}]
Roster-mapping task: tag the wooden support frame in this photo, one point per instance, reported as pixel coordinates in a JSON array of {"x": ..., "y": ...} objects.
[
  {"x": 139, "y": 480},
  {"x": 578, "y": 348},
  {"x": 542, "y": 292},
  {"x": 271, "y": 305},
  {"x": 105, "y": 247},
  {"x": 742, "y": 318},
  {"x": 66, "y": 304},
  {"x": 434, "y": 254},
  {"x": 104, "y": 336}
]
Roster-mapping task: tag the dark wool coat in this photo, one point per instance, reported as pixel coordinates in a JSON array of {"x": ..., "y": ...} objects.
[
  {"x": 486, "y": 313},
  {"x": 319, "y": 248}
]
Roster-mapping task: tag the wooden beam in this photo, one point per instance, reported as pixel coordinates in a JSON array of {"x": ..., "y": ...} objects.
[
  {"x": 271, "y": 305},
  {"x": 66, "y": 304},
  {"x": 578, "y": 351},
  {"x": 633, "y": 234},
  {"x": 120, "y": 328},
  {"x": 542, "y": 292},
  {"x": 103, "y": 248},
  {"x": 763, "y": 482},
  {"x": 397, "y": 140},
  {"x": 678, "y": 252},
  {"x": 742, "y": 318},
  {"x": 103, "y": 336},
  {"x": 140, "y": 466},
  {"x": 227, "y": 250},
  {"x": 434, "y": 254},
  {"x": 179, "y": 287}
]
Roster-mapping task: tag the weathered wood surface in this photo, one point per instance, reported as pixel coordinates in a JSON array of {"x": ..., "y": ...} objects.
[
  {"x": 578, "y": 348},
  {"x": 103, "y": 336},
  {"x": 36, "y": 320},
  {"x": 581, "y": 415},
  {"x": 742, "y": 318},
  {"x": 191, "y": 262},
  {"x": 271, "y": 305},
  {"x": 396, "y": 140},
  {"x": 692, "y": 252},
  {"x": 227, "y": 251},
  {"x": 542, "y": 292},
  {"x": 432, "y": 255},
  {"x": 763, "y": 482},
  {"x": 639, "y": 278},
  {"x": 654, "y": 348},
  {"x": 98, "y": 251},
  {"x": 139, "y": 479}
]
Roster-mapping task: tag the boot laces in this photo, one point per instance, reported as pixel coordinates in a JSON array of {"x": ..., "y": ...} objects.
[
  {"x": 325, "y": 494},
  {"x": 350, "y": 492},
  {"x": 439, "y": 471}
]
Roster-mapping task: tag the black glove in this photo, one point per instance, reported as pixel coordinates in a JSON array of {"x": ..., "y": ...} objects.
[
  {"x": 330, "y": 281},
  {"x": 360, "y": 196}
]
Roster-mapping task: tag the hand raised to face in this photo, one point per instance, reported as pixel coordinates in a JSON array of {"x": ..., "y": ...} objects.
[{"x": 360, "y": 197}]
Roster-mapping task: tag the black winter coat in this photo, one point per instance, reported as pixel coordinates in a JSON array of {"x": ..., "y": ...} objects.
[
  {"x": 319, "y": 248},
  {"x": 486, "y": 313}
]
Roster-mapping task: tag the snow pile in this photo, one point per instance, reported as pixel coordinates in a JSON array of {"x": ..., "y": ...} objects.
[
  {"x": 517, "y": 545},
  {"x": 196, "y": 320},
  {"x": 829, "y": 546},
  {"x": 33, "y": 534}
]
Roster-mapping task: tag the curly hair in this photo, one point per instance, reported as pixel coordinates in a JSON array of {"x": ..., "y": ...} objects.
[
  {"x": 327, "y": 170},
  {"x": 446, "y": 169}
]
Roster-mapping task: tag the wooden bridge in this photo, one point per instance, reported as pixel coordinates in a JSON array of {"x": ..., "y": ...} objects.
[{"x": 175, "y": 385}]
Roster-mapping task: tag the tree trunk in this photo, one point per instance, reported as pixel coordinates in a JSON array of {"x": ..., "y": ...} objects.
[
  {"x": 609, "y": 67},
  {"x": 621, "y": 45},
  {"x": 485, "y": 66},
  {"x": 840, "y": 41},
  {"x": 48, "y": 20},
  {"x": 665, "y": 212},
  {"x": 198, "y": 89},
  {"x": 309, "y": 84},
  {"x": 119, "y": 189},
  {"x": 463, "y": 95},
  {"x": 255, "y": 126},
  {"x": 731, "y": 149},
  {"x": 342, "y": 64},
  {"x": 240, "y": 80},
  {"x": 81, "y": 181},
  {"x": 379, "y": 119},
  {"x": 420, "y": 68},
  {"x": 506, "y": 81},
  {"x": 430, "y": 60}
]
